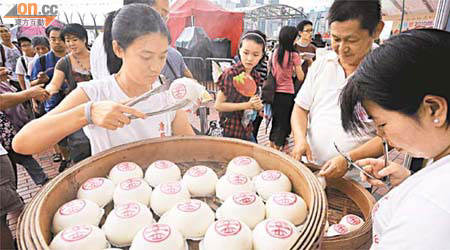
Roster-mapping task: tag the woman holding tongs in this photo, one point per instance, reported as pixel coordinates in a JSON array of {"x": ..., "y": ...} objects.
[
  {"x": 102, "y": 107},
  {"x": 403, "y": 86}
]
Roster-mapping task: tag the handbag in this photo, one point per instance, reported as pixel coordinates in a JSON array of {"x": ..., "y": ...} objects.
[
  {"x": 268, "y": 87},
  {"x": 7, "y": 132}
]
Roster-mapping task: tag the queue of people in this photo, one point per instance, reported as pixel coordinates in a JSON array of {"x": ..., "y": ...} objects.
[{"x": 353, "y": 97}]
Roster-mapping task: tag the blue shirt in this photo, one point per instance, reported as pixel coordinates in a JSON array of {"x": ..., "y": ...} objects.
[{"x": 50, "y": 61}]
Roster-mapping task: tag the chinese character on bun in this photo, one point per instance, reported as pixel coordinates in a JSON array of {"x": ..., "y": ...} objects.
[
  {"x": 244, "y": 165},
  {"x": 158, "y": 237},
  {"x": 167, "y": 195},
  {"x": 76, "y": 212},
  {"x": 125, "y": 170},
  {"x": 134, "y": 189},
  {"x": 162, "y": 171},
  {"x": 80, "y": 237},
  {"x": 352, "y": 222},
  {"x": 270, "y": 182},
  {"x": 99, "y": 190},
  {"x": 201, "y": 181},
  {"x": 124, "y": 221},
  {"x": 228, "y": 234},
  {"x": 232, "y": 183},
  {"x": 274, "y": 234},
  {"x": 244, "y": 206},
  {"x": 287, "y": 205},
  {"x": 192, "y": 218}
]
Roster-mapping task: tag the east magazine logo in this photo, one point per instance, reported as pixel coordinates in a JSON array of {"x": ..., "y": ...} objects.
[{"x": 33, "y": 14}]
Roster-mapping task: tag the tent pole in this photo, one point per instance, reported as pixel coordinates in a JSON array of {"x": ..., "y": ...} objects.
[{"x": 403, "y": 16}]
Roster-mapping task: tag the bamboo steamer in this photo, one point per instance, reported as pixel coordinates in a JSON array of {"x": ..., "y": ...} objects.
[
  {"x": 346, "y": 196},
  {"x": 34, "y": 224}
]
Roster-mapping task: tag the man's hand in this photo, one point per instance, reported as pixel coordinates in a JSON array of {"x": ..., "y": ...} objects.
[
  {"x": 37, "y": 92},
  {"x": 334, "y": 168},
  {"x": 301, "y": 149}
]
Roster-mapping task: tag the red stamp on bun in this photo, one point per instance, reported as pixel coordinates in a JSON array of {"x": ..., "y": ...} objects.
[
  {"x": 271, "y": 175},
  {"x": 156, "y": 233},
  {"x": 228, "y": 227},
  {"x": 93, "y": 183},
  {"x": 76, "y": 233},
  {"x": 279, "y": 229},
  {"x": 130, "y": 184},
  {"x": 197, "y": 171},
  {"x": 126, "y": 166},
  {"x": 189, "y": 206},
  {"x": 129, "y": 210},
  {"x": 170, "y": 188},
  {"x": 72, "y": 207},
  {"x": 244, "y": 198},
  {"x": 285, "y": 199},
  {"x": 237, "y": 179}
]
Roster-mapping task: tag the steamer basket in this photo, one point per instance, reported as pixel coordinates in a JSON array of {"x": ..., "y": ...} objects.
[
  {"x": 346, "y": 196},
  {"x": 34, "y": 224}
]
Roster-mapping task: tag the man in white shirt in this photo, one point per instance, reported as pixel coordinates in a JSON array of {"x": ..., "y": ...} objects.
[
  {"x": 22, "y": 67},
  {"x": 10, "y": 53},
  {"x": 316, "y": 118}
]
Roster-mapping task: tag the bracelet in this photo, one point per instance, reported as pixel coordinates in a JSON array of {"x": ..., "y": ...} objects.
[
  {"x": 349, "y": 165},
  {"x": 87, "y": 112}
]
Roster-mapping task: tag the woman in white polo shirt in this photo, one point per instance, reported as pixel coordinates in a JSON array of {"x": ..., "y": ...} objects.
[
  {"x": 403, "y": 85},
  {"x": 140, "y": 39}
]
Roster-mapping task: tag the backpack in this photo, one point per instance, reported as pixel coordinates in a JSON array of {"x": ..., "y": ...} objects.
[{"x": 79, "y": 144}]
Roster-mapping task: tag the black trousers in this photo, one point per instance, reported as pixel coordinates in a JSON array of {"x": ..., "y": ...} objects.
[
  {"x": 282, "y": 107},
  {"x": 256, "y": 125}
]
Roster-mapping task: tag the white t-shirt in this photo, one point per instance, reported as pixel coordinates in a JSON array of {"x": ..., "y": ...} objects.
[
  {"x": 3, "y": 150},
  {"x": 320, "y": 95},
  {"x": 20, "y": 69},
  {"x": 99, "y": 68},
  {"x": 139, "y": 129},
  {"x": 416, "y": 214},
  {"x": 12, "y": 56}
]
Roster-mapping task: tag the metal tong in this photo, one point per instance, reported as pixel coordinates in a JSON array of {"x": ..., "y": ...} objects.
[
  {"x": 150, "y": 93},
  {"x": 385, "y": 179}
]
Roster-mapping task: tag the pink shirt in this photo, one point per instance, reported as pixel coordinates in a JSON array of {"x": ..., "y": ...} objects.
[{"x": 283, "y": 75}]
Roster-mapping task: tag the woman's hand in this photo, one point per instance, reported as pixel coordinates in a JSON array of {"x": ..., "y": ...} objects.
[
  {"x": 112, "y": 115},
  {"x": 396, "y": 172},
  {"x": 255, "y": 103}
]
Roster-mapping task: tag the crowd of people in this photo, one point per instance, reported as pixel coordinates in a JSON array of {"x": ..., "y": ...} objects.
[{"x": 355, "y": 97}]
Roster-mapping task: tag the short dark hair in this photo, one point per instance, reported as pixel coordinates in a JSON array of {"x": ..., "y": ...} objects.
[
  {"x": 50, "y": 29},
  {"x": 22, "y": 39},
  {"x": 301, "y": 25},
  {"x": 398, "y": 75},
  {"x": 4, "y": 26},
  {"x": 76, "y": 30},
  {"x": 368, "y": 12},
  {"x": 40, "y": 40},
  {"x": 149, "y": 2}
]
